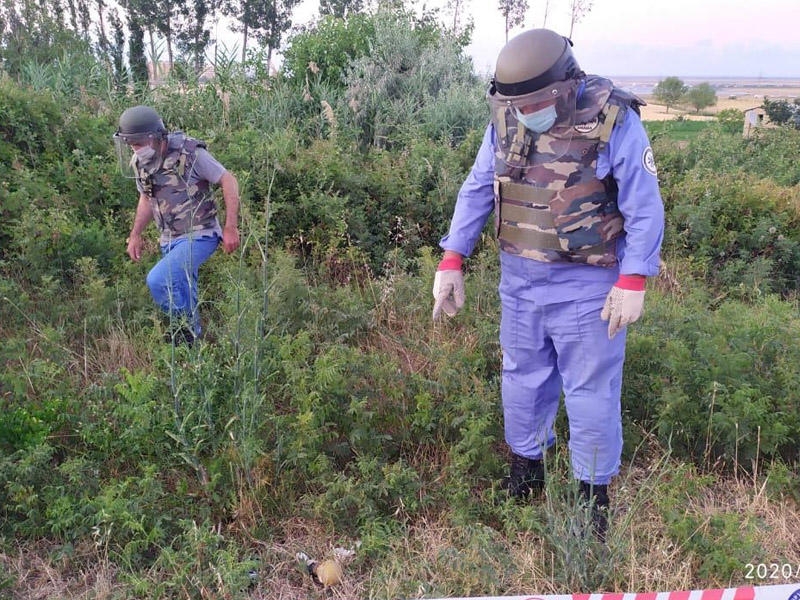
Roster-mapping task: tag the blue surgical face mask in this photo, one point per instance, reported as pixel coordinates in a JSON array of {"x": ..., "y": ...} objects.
[{"x": 540, "y": 120}]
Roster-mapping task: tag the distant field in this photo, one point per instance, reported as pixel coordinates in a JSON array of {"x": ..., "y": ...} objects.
[
  {"x": 676, "y": 130},
  {"x": 744, "y": 99}
]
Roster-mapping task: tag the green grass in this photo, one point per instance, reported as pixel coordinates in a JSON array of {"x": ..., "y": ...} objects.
[{"x": 677, "y": 129}]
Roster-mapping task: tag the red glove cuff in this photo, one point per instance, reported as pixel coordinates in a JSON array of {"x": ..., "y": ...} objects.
[
  {"x": 451, "y": 263},
  {"x": 634, "y": 283}
]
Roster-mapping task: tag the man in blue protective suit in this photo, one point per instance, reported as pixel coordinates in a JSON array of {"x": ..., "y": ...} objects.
[{"x": 568, "y": 170}]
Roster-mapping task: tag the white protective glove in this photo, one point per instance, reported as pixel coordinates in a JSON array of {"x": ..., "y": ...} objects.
[
  {"x": 622, "y": 307},
  {"x": 448, "y": 292}
]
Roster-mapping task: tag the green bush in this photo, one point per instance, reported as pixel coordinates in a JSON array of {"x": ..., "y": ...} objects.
[
  {"x": 715, "y": 380},
  {"x": 324, "y": 50},
  {"x": 741, "y": 232},
  {"x": 325, "y": 197},
  {"x": 768, "y": 155},
  {"x": 30, "y": 125},
  {"x": 50, "y": 242},
  {"x": 731, "y": 120},
  {"x": 409, "y": 67}
]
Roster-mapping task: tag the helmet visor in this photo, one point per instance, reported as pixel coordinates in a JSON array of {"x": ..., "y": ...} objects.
[
  {"x": 516, "y": 141},
  {"x": 125, "y": 145}
]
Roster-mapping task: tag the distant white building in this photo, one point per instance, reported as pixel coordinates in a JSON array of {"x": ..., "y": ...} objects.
[{"x": 754, "y": 118}]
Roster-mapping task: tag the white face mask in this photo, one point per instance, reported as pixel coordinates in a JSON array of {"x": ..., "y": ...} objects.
[
  {"x": 145, "y": 154},
  {"x": 540, "y": 120},
  {"x": 145, "y": 158}
]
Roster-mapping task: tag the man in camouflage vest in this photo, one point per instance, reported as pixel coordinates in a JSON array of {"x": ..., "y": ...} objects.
[
  {"x": 567, "y": 168},
  {"x": 174, "y": 174}
]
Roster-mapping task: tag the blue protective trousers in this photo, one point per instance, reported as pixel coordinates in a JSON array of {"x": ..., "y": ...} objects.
[
  {"x": 550, "y": 348},
  {"x": 173, "y": 280}
]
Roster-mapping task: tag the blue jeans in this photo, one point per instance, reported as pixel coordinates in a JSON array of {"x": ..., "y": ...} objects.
[
  {"x": 555, "y": 348},
  {"x": 173, "y": 280}
]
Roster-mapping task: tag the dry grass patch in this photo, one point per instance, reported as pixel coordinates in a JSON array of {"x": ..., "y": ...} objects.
[
  {"x": 436, "y": 557},
  {"x": 40, "y": 573}
]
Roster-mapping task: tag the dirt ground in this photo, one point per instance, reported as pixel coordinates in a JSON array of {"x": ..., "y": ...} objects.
[{"x": 745, "y": 98}]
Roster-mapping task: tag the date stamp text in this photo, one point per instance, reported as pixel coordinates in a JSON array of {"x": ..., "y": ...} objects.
[{"x": 772, "y": 571}]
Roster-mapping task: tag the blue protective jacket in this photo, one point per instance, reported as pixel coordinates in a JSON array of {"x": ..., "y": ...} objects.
[{"x": 628, "y": 158}]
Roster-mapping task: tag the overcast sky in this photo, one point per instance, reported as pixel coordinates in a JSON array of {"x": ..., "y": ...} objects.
[{"x": 688, "y": 38}]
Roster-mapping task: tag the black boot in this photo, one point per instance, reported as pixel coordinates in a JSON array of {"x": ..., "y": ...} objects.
[
  {"x": 597, "y": 497},
  {"x": 180, "y": 335},
  {"x": 526, "y": 476}
]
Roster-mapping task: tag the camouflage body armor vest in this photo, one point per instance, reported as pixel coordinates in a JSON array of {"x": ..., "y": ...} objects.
[
  {"x": 559, "y": 211},
  {"x": 178, "y": 207}
]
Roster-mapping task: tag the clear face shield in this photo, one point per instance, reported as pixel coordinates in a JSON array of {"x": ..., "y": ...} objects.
[
  {"x": 519, "y": 121},
  {"x": 141, "y": 148}
]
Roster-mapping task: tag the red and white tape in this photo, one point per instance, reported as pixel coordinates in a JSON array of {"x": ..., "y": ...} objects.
[{"x": 790, "y": 591}]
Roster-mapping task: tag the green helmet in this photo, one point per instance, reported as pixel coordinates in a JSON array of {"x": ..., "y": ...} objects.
[
  {"x": 533, "y": 60},
  {"x": 140, "y": 122}
]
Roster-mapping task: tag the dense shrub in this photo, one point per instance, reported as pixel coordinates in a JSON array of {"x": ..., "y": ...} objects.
[
  {"x": 50, "y": 242},
  {"x": 769, "y": 155},
  {"x": 731, "y": 120},
  {"x": 740, "y": 233},
  {"x": 324, "y": 50},
  {"x": 781, "y": 112},
  {"x": 716, "y": 380},
  {"x": 29, "y": 125},
  {"x": 328, "y": 197},
  {"x": 410, "y": 66}
]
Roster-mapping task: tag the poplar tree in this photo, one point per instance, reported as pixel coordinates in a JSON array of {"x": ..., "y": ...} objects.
[
  {"x": 116, "y": 49},
  {"x": 36, "y": 31},
  {"x": 577, "y": 10},
  {"x": 245, "y": 13},
  {"x": 156, "y": 17},
  {"x": 266, "y": 20},
  {"x": 136, "y": 58},
  {"x": 513, "y": 12},
  {"x": 457, "y": 7},
  {"x": 193, "y": 35},
  {"x": 103, "y": 42},
  {"x": 84, "y": 19},
  {"x": 340, "y": 8}
]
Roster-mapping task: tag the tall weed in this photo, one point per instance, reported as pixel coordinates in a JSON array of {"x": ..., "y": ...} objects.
[
  {"x": 715, "y": 379},
  {"x": 741, "y": 233}
]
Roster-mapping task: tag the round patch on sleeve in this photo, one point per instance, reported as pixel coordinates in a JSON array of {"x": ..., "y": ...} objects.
[{"x": 649, "y": 161}]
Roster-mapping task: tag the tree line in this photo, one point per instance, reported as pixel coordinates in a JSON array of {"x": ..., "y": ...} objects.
[
  {"x": 127, "y": 34},
  {"x": 124, "y": 35},
  {"x": 672, "y": 91}
]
